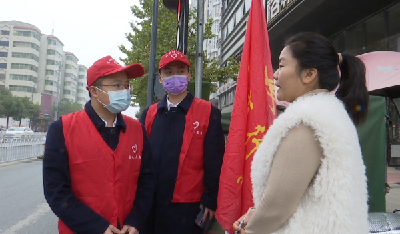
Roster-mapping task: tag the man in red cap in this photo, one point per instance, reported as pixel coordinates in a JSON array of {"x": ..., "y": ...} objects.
[
  {"x": 97, "y": 168},
  {"x": 187, "y": 146}
]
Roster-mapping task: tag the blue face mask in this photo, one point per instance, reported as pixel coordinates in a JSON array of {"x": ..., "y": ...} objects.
[{"x": 119, "y": 100}]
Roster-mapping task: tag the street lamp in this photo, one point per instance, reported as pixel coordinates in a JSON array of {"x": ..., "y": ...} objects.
[
  {"x": 34, "y": 87},
  {"x": 58, "y": 89}
]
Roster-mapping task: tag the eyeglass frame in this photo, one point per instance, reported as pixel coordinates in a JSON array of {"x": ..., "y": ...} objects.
[{"x": 126, "y": 86}]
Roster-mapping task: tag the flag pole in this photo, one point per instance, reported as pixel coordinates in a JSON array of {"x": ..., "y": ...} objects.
[{"x": 199, "y": 49}]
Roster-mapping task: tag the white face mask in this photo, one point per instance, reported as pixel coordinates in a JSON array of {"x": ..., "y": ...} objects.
[{"x": 119, "y": 100}]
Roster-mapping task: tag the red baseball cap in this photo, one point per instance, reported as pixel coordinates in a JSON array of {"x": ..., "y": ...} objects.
[
  {"x": 171, "y": 56},
  {"x": 107, "y": 66}
]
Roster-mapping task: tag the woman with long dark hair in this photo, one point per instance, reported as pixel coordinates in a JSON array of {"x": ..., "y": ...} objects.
[{"x": 308, "y": 174}]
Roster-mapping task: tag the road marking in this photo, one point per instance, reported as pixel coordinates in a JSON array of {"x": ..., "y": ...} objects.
[{"x": 40, "y": 211}]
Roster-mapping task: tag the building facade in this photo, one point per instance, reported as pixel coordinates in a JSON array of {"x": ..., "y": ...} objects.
[
  {"x": 70, "y": 86},
  {"x": 32, "y": 64},
  {"x": 212, "y": 10},
  {"x": 351, "y": 26},
  {"x": 212, "y": 46},
  {"x": 82, "y": 93}
]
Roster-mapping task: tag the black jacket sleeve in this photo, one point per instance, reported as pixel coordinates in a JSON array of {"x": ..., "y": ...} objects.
[
  {"x": 145, "y": 189},
  {"x": 142, "y": 119},
  {"x": 214, "y": 149},
  {"x": 57, "y": 187}
]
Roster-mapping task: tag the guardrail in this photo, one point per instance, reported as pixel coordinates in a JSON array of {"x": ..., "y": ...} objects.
[{"x": 12, "y": 150}]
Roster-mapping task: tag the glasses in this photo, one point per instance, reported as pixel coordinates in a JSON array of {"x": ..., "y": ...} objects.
[{"x": 119, "y": 86}]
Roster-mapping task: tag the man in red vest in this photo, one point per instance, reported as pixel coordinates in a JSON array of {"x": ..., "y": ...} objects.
[
  {"x": 187, "y": 146},
  {"x": 98, "y": 175}
]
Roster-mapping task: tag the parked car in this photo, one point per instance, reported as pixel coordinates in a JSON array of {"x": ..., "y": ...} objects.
[{"x": 19, "y": 133}]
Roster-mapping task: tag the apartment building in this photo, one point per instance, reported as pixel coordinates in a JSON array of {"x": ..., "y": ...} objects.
[{"x": 32, "y": 64}]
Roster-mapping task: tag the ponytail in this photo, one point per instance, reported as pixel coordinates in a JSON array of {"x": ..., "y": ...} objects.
[{"x": 352, "y": 89}]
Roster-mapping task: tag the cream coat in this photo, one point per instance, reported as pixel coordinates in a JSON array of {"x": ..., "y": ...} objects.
[{"x": 336, "y": 200}]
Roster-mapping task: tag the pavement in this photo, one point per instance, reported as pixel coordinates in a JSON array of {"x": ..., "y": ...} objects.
[{"x": 23, "y": 208}]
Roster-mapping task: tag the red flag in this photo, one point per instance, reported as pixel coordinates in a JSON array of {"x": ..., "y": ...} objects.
[{"x": 253, "y": 112}]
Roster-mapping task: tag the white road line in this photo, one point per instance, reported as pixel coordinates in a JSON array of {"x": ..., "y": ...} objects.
[{"x": 40, "y": 211}]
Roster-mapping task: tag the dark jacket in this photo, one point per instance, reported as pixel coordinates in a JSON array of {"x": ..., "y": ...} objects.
[{"x": 57, "y": 182}]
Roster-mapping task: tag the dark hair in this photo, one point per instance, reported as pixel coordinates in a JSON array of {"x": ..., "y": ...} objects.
[
  {"x": 312, "y": 50},
  {"x": 97, "y": 83}
]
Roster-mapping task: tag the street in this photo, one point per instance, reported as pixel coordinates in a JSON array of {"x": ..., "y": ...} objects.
[{"x": 23, "y": 208}]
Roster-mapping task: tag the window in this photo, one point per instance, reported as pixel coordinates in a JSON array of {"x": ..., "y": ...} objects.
[
  {"x": 24, "y": 66},
  {"x": 4, "y": 54},
  {"x": 25, "y": 55},
  {"x": 55, "y": 53},
  {"x": 4, "y": 43},
  {"x": 51, "y": 41},
  {"x": 4, "y": 32},
  {"x": 27, "y": 34},
  {"x": 81, "y": 69},
  {"x": 3, "y": 65},
  {"x": 55, "y": 42},
  {"x": 81, "y": 77},
  {"x": 69, "y": 92},
  {"x": 49, "y": 72},
  {"x": 51, "y": 62},
  {"x": 26, "y": 44},
  {"x": 81, "y": 99},
  {"x": 23, "y": 77},
  {"x": 80, "y": 91},
  {"x": 69, "y": 84},
  {"x": 69, "y": 66},
  {"x": 2, "y": 76},
  {"x": 50, "y": 83},
  {"x": 21, "y": 88},
  {"x": 72, "y": 58},
  {"x": 81, "y": 84},
  {"x": 72, "y": 76}
]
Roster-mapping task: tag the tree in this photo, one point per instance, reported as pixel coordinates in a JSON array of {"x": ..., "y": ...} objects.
[
  {"x": 21, "y": 109},
  {"x": 66, "y": 107},
  {"x": 32, "y": 111},
  {"x": 140, "y": 39},
  {"x": 17, "y": 107},
  {"x": 8, "y": 104}
]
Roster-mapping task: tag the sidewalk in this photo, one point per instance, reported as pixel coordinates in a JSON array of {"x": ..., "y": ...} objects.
[{"x": 393, "y": 197}]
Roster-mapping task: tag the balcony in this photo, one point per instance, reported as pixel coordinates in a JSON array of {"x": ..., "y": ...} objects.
[
  {"x": 69, "y": 96},
  {"x": 50, "y": 88}
]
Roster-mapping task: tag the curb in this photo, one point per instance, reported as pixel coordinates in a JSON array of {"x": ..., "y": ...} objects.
[{"x": 5, "y": 164}]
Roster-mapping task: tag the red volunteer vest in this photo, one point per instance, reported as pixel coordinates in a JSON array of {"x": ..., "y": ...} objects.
[
  {"x": 103, "y": 179},
  {"x": 189, "y": 183}
]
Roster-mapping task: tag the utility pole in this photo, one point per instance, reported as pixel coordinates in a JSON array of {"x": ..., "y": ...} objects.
[
  {"x": 58, "y": 90},
  {"x": 199, "y": 49},
  {"x": 33, "y": 91},
  {"x": 153, "y": 48}
]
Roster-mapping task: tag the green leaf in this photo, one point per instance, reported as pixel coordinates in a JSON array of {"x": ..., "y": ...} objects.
[{"x": 140, "y": 42}]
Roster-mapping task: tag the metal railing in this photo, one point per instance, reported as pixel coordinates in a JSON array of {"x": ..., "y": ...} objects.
[{"x": 12, "y": 150}]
